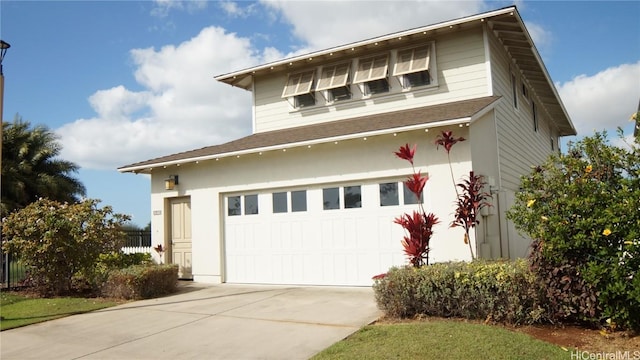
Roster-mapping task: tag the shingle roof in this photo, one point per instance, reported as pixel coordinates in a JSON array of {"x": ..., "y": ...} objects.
[{"x": 327, "y": 131}]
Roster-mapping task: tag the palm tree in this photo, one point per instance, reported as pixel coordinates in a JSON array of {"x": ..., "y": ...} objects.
[{"x": 31, "y": 169}]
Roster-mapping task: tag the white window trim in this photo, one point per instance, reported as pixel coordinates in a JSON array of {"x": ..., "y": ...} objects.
[
  {"x": 524, "y": 91},
  {"x": 535, "y": 116},
  {"x": 514, "y": 91}
]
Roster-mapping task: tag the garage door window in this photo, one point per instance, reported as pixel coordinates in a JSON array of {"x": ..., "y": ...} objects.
[
  {"x": 233, "y": 206},
  {"x": 299, "y": 200},
  {"x": 410, "y": 197},
  {"x": 331, "y": 198},
  {"x": 250, "y": 204},
  {"x": 280, "y": 202},
  {"x": 352, "y": 197},
  {"x": 389, "y": 194}
]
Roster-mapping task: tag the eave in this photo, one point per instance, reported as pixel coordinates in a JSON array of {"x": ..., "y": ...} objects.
[
  {"x": 512, "y": 33},
  {"x": 455, "y": 113},
  {"x": 244, "y": 78}
]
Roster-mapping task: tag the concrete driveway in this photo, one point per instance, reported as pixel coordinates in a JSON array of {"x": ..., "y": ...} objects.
[{"x": 203, "y": 322}]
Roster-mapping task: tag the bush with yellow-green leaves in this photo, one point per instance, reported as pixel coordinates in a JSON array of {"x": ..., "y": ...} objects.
[
  {"x": 582, "y": 209},
  {"x": 59, "y": 242}
]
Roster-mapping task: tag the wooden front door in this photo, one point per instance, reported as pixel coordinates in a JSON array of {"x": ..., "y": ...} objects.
[{"x": 180, "y": 209}]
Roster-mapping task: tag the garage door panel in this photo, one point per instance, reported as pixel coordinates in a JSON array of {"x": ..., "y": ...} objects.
[{"x": 315, "y": 247}]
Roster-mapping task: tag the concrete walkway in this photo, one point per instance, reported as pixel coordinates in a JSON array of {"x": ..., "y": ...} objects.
[{"x": 203, "y": 322}]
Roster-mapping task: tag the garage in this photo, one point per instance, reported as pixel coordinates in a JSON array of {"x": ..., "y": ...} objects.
[{"x": 334, "y": 234}]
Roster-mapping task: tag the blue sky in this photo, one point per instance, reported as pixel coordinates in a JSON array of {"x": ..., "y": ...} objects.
[{"x": 126, "y": 81}]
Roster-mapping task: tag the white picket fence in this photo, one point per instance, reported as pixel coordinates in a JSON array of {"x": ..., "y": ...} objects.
[
  {"x": 138, "y": 241},
  {"x": 136, "y": 249}
]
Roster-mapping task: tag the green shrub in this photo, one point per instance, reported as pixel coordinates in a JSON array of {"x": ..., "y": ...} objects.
[
  {"x": 106, "y": 263},
  {"x": 120, "y": 260},
  {"x": 499, "y": 291},
  {"x": 141, "y": 281},
  {"x": 583, "y": 209},
  {"x": 57, "y": 242}
]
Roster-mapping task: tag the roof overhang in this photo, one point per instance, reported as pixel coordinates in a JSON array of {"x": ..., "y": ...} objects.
[
  {"x": 517, "y": 41},
  {"x": 244, "y": 78},
  {"x": 458, "y": 113}
]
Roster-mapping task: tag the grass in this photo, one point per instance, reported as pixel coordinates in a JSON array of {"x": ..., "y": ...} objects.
[
  {"x": 440, "y": 339},
  {"x": 20, "y": 310}
]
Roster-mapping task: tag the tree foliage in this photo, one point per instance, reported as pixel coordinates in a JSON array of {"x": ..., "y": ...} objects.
[
  {"x": 31, "y": 168},
  {"x": 583, "y": 211},
  {"x": 58, "y": 241}
]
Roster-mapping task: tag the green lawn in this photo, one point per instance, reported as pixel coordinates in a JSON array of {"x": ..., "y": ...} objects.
[
  {"x": 19, "y": 310},
  {"x": 440, "y": 339}
]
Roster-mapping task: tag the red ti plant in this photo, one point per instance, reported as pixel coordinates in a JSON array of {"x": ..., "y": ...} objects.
[
  {"x": 470, "y": 201},
  {"x": 419, "y": 225},
  {"x": 160, "y": 250},
  {"x": 447, "y": 140}
]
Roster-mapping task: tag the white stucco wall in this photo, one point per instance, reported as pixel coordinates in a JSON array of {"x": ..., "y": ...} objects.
[{"x": 358, "y": 161}]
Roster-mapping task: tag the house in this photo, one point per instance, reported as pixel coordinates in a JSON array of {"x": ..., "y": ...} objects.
[{"x": 310, "y": 196}]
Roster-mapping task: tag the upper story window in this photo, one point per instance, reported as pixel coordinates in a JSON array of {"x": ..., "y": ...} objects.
[
  {"x": 514, "y": 90},
  {"x": 334, "y": 79},
  {"x": 412, "y": 66},
  {"x": 525, "y": 91},
  {"x": 534, "y": 114},
  {"x": 300, "y": 88},
  {"x": 372, "y": 73}
]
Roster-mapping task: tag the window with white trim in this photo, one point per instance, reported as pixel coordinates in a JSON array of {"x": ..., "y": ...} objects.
[
  {"x": 352, "y": 197},
  {"x": 299, "y": 88},
  {"x": 412, "y": 66},
  {"x": 334, "y": 80},
  {"x": 299, "y": 200},
  {"x": 235, "y": 204},
  {"x": 410, "y": 197},
  {"x": 279, "y": 201},
  {"x": 514, "y": 90},
  {"x": 525, "y": 91},
  {"x": 389, "y": 194},
  {"x": 534, "y": 113},
  {"x": 251, "y": 204},
  {"x": 372, "y": 74},
  {"x": 331, "y": 198},
  {"x": 234, "y": 207}
]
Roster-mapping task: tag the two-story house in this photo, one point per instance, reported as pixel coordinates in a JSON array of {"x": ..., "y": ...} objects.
[{"x": 310, "y": 196}]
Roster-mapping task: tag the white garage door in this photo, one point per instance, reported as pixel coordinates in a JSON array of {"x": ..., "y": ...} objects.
[{"x": 332, "y": 235}]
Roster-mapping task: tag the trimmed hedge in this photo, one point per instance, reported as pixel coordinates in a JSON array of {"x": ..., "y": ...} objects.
[
  {"x": 498, "y": 291},
  {"x": 141, "y": 282}
]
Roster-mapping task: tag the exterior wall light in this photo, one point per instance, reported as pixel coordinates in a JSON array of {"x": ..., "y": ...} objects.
[{"x": 171, "y": 182}]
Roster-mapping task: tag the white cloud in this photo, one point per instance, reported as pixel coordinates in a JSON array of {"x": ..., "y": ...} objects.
[
  {"x": 348, "y": 21},
  {"x": 541, "y": 37},
  {"x": 162, "y": 8},
  {"x": 602, "y": 101},
  {"x": 181, "y": 107},
  {"x": 232, "y": 9}
]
